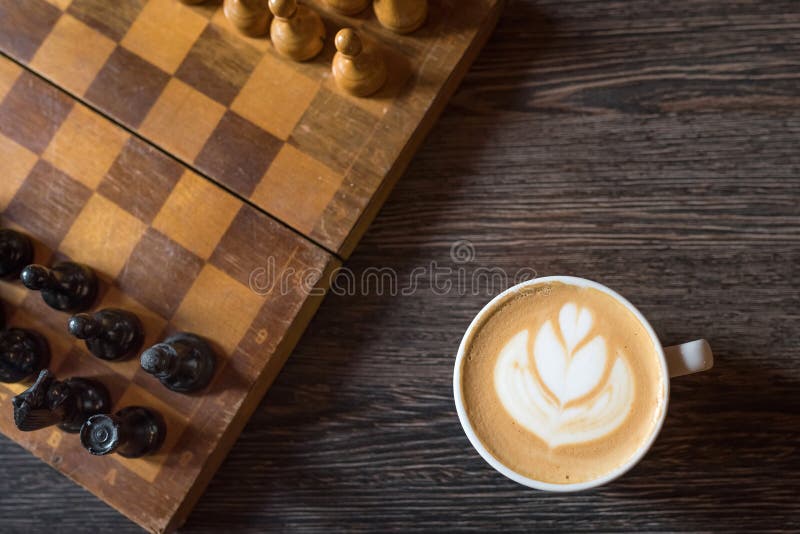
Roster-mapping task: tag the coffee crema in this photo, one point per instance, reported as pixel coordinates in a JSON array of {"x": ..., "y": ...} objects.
[{"x": 562, "y": 383}]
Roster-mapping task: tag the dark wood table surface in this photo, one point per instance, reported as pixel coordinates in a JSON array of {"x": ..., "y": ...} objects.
[{"x": 652, "y": 146}]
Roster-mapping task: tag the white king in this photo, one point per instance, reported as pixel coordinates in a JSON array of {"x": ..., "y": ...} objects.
[{"x": 564, "y": 388}]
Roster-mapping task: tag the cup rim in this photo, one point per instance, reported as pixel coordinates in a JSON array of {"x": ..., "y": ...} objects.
[{"x": 507, "y": 471}]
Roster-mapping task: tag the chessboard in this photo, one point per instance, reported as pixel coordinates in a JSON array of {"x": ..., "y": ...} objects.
[
  {"x": 174, "y": 248},
  {"x": 277, "y": 133},
  {"x": 214, "y": 185}
]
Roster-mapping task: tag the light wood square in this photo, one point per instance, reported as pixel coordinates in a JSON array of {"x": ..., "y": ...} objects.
[
  {"x": 103, "y": 236},
  {"x": 182, "y": 119},
  {"x": 73, "y": 54},
  {"x": 275, "y": 96},
  {"x": 196, "y": 214},
  {"x": 218, "y": 308},
  {"x": 9, "y": 72},
  {"x": 12, "y": 292},
  {"x": 85, "y": 146},
  {"x": 61, "y": 4},
  {"x": 297, "y": 188},
  {"x": 163, "y": 33},
  {"x": 17, "y": 163},
  {"x": 153, "y": 327},
  {"x": 148, "y": 467}
]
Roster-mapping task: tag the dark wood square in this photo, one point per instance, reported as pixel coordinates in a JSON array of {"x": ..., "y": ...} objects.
[
  {"x": 24, "y": 26},
  {"x": 252, "y": 241},
  {"x": 334, "y": 131},
  {"x": 140, "y": 179},
  {"x": 238, "y": 153},
  {"x": 32, "y": 112},
  {"x": 146, "y": 279},
  {"x": 47, "y": 204},
  {"x": 112, "y": 18},
  {"x": 127, "y": 87},
  {"x": 218, "y": 65}
]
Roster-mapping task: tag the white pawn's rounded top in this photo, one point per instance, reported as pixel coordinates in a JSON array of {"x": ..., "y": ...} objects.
[
  {"x": 348, "y": 42},
  {"x": 283, "y": 8}
]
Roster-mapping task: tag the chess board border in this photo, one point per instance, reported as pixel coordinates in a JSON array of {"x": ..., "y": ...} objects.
[{"x": 423, "y": 129}]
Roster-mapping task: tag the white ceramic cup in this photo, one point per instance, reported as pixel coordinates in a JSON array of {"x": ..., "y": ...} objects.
[{"x": 675, "y": 361}]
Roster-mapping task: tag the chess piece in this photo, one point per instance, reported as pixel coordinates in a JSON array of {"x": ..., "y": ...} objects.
[
  {"x": 401, "y": 16},
  {"x": 16, "y": 251},
  {"x": 68, "y": 286},
  {"x": 67, "y": 404},
  {"x": 131, "y": 432},
  {"x": 23, "y": 353},
  {"x": 183, "y": 363},
  {"x": 358, "y": 68},
  {"x": 348, "y": 7},
  {"x": 251, "y": 17},
  {"x": 297, "y": 32},
  {"x": 110, "y": 334}
]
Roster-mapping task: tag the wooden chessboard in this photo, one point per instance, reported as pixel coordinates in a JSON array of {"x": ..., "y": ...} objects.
[
  {"x": 190, "y": 166},
  {"x": 174, "y": 248},
  {"x": 277, "y": 133}
]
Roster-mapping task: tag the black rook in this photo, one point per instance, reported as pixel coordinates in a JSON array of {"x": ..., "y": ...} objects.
[{"x": 131, "y": 432}]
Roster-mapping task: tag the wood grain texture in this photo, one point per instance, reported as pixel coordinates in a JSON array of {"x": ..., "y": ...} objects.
[
  {"x": 230, "y": 106},
  {"x": 170, "y": 246},
  {"x": 652, "y": 147}
]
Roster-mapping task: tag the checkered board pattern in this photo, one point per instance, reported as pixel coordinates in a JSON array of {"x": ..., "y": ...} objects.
[
  {"x": 169, "y": 245},
  {"x": 278, "y": 133}
]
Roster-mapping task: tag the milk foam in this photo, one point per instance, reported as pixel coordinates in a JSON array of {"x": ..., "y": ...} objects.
[{"x": 564, "y": 385}]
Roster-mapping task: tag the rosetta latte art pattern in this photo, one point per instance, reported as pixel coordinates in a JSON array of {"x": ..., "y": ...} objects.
[{"x": 563, "y": 385}]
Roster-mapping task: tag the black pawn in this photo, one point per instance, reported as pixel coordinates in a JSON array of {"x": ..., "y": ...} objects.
[
  {"x": 16, "y": 251},
  {"x": 23, "y": 353},
  {"x": 131, "y": 432},
  {"x": 68, "y": 286},
  {"x": 183, "y": 363},
  {"x": 67, "y": 404},
  {"x": 110, "y": 334}
]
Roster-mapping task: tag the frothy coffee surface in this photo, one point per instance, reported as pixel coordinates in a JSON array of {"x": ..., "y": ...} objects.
[{"x": 562, "y": 383}]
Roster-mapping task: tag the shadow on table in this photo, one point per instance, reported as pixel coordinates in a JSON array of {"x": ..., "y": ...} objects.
[{"x": 730, "y": 437}]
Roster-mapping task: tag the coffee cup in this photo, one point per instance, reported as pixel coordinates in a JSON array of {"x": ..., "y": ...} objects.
[{"x": 561, "y": 384}]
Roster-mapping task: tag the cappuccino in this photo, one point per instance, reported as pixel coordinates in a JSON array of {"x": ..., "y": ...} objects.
[{"x": 562, "y": 383}]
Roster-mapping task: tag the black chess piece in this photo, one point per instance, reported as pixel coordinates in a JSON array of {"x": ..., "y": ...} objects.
[
  {"x": 68, "y": 286},
  {"x": 110, "y": 334},
  {"x": 67, "y": 404},
  {"x": 23, "y": 353},
  {"x": 131, "y": 432},
  {"x": 184, "y": 362},
  {"x": 16, "y": 251}
]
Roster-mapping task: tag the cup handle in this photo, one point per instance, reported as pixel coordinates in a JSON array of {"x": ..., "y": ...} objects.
[{"x": 689, "y": 358}]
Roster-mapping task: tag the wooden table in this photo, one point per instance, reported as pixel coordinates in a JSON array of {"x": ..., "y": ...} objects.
[{"x": 654, "y": 147}]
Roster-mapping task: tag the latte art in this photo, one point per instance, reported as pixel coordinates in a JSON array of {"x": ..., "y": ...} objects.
[
  {"x": 564, "y": 384},
  {"x": 561, "y": 383}
]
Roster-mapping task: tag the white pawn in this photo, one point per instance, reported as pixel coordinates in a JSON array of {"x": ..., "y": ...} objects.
[
  {"x": 297, "y": 32},
  {"x": 401, "y": 16},
  {"x": 357, "y": 68},
  {"x": 251, "y": 17}
]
